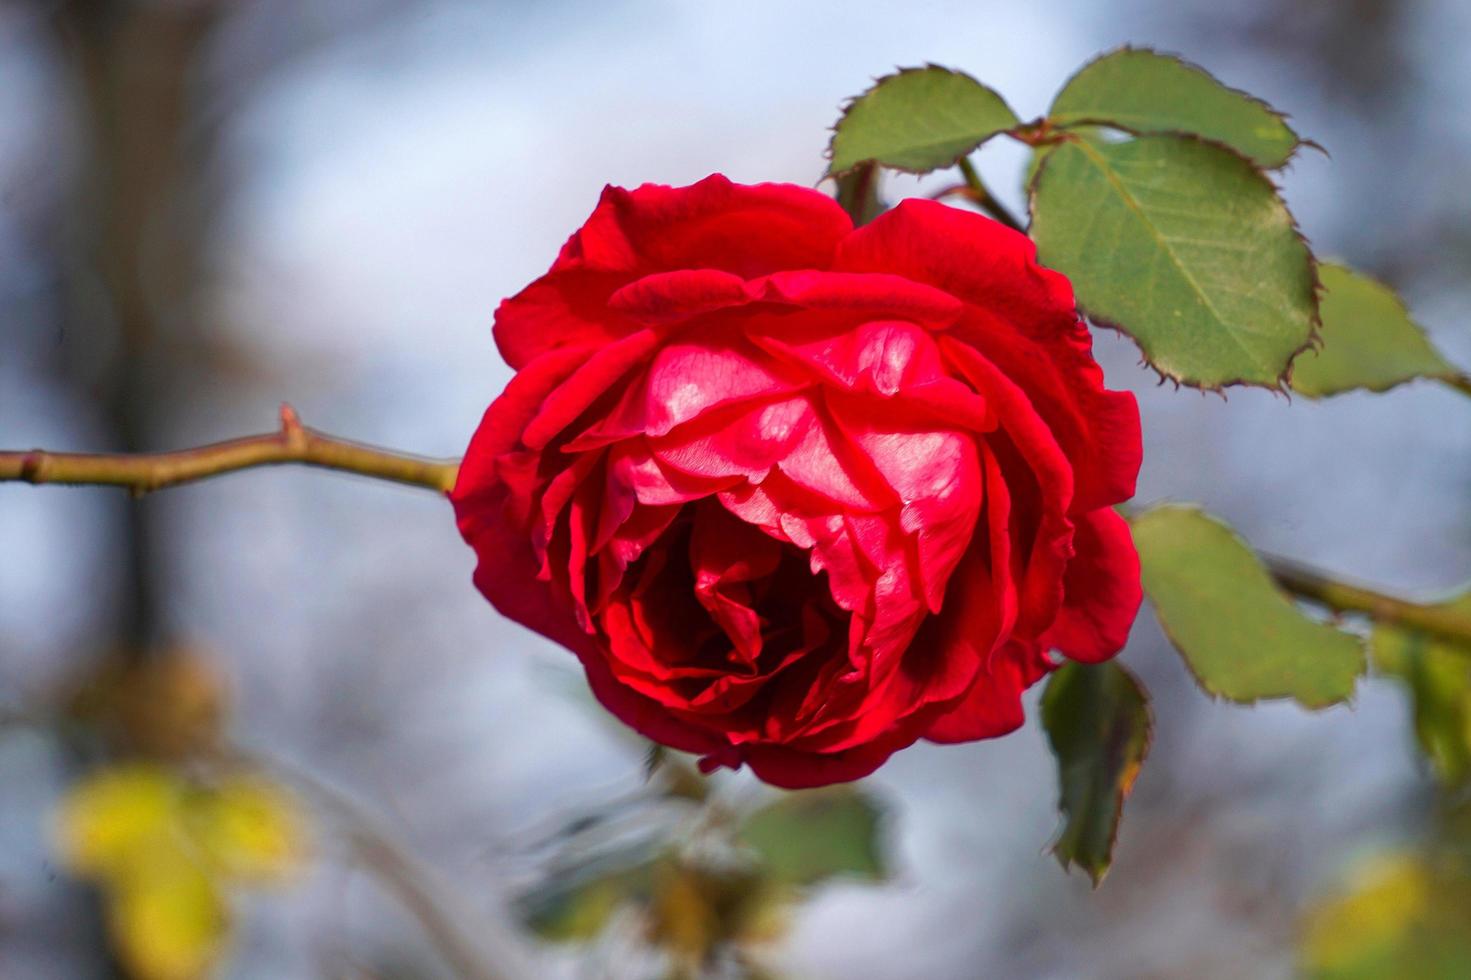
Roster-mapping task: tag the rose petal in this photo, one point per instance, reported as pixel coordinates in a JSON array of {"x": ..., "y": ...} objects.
[
  {"x": 1101, "y": 591},
  {"x": 592, "y": 380},
  {"x": 750, "y": 230},
  {"x": 936, "y": 475},
  {"x": 666, "y": 297},
  {"x": 1025, "y": 322},
  {"x": 567, "y": 307},
  {"x": 1050, "y": 486},
  {"x": 726, "y": 554},
  {"x": 993, "y": 706},
  {"x": 876, "y": 295},
  {"x": 880, "y": 356}
]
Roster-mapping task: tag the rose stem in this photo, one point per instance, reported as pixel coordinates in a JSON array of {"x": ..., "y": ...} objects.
[
  {"x": 981, "y": 195},
  {"x": 292, "y": 443}
]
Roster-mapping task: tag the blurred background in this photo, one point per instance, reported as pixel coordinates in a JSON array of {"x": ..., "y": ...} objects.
[{"x": 209, "y": 208}]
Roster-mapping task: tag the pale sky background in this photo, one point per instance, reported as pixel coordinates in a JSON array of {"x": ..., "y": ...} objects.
[{"x": 380, "y": 190}]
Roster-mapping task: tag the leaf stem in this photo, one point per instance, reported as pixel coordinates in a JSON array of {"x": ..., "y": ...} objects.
[
  {"x": 1441, "y": 621},
  {"x": 983, "y": 198},
  {"x": 292, "y": 443},
  {"x": 1460, "y": 382}
]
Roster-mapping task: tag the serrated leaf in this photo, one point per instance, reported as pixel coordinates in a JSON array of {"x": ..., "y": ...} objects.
[
  {"x": 1242, "y": 637},
  {"x": 1097, "y": 721},
  {"x": 1369, "y": 340},
  {"x": 1186, "y": 247},
  {"x": 806, "y": 837},
  {"x": 1437, "y": 673},
  {"x": 1143, "y": 92},
  {"x": 918, "y": 120}
]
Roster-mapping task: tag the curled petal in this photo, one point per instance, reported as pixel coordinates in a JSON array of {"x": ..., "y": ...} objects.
[
  {"x": 993, "y": 706},
  {"x": 749, "y": 230},
  {"x": 875, "y": 295},
  {"x": 687, "y": 378},
  {"x": 568, "y": 307},
  {"x": 880, "y": 356},
  {"x": 1049, "y": 488},
  {"x": 584, "y": 386},
  {"x": 726, "y": 555},
  {"x": 666, "y": 297},
  {"x": 934, "y": 472}
]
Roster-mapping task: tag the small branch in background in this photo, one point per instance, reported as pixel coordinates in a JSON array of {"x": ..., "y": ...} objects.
[
  {"x": 975, "y": 190},
  {"x": 1440, "y": 621},
  {"x": 491, "y": 949},
  {"x": 141, "y": 473}
]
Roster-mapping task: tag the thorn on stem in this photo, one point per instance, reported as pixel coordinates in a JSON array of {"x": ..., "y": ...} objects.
[{"x": 290, "y": 421}]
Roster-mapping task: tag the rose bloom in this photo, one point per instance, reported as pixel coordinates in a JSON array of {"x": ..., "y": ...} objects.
[{"x": 798, "y": 494}]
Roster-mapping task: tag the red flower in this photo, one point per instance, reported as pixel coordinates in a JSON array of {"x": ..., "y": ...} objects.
[{"x": 798, "y": 495}]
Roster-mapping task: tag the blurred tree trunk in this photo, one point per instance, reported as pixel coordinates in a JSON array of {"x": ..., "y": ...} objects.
[
  {"x": 132, "y": 245},
  {"x": 127, "y": 256}
]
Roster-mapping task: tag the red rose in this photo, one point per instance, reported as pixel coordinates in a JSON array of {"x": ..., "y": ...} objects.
[{"x": 798, "y": 495}]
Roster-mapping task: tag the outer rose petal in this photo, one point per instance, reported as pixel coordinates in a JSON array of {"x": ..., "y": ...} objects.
[
  {"x": 566, "y": 308},
  {"x": 1026, "y": 323},
  {"x": 795, "y": 769},
  {"x": 994, "y": 705},
  {"x": 1101, "y": 591},
  {"x": 748, "y": 230}
]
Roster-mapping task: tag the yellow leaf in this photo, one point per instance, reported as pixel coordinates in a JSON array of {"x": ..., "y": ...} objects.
[
  {"x": 1384, "y": 898},
  {"x": 107, "y": 817},
  {"x": 248, "y": 829},
  {"x": 167, "y": 918}
]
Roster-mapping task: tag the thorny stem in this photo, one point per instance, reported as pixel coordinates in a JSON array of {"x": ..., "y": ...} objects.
[
  {"x": 293, "y": 443},
  {"x": 983, "y": 198},
  {"x": 1445, "y": 622}
]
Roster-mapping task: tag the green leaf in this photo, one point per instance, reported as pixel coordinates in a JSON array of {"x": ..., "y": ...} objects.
[
  {"x": 1143, "y": 91},
  {"x": 1369, "y": 340},
  {"x": 578, "y": 908},
  {"x": 1241, "y": 636},
  {"x": 806, "y": 837},
  {"x": 918, "y": 120},
  {"x": 1039, "y": 154},
  {"x": 1186, "y": 247},
  {"x": 1097, "y": 719},
  {"x": 1437, "y": 673}
]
